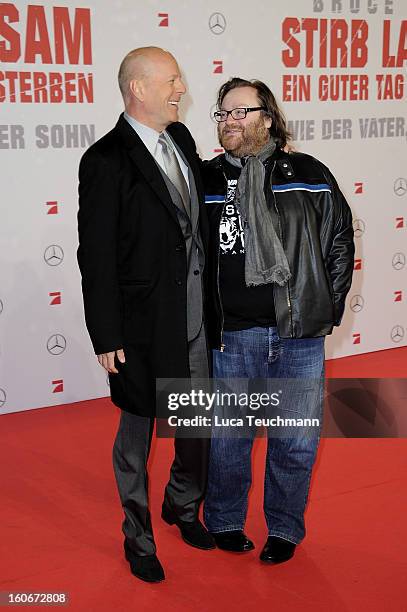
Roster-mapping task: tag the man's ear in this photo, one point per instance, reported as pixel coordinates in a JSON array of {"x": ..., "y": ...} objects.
[
  {"x": 137, "y": 89},
  {"x": 267, "y": 122}
]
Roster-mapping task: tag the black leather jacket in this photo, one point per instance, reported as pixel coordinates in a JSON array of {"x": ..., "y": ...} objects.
[{"x": 314, "y": 223}]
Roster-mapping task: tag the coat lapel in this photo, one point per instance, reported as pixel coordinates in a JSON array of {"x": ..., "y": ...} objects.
[
  {"x": 194, "y": 173},
  {"x": 189, "y": 157},
  {"x": 145, "y": 163}
]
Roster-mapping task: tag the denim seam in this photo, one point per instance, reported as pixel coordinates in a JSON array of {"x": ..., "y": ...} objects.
[
  {"x": 278, "y": 534},
  {"x": 231, "y": 528}
]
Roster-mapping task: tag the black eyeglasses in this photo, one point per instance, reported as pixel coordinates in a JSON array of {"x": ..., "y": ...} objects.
[{"x": 237, "y": 113}]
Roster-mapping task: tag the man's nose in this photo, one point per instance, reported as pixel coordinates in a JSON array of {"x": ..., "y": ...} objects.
[
  {"x": 230, "y": 122},
  {"x": 181, "y": 89}
]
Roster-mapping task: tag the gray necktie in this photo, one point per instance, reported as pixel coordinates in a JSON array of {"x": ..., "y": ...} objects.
[{"x": 174, "y": 172}]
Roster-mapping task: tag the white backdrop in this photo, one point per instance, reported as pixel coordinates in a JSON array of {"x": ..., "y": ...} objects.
[{"x": 58, "y": 93}]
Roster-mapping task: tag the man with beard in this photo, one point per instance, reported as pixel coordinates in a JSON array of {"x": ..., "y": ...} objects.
[{"x": 279, "y": 287}]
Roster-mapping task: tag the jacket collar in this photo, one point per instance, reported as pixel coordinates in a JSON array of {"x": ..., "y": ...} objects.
[
  {"x": 145, "y": 163},
  {"x": 189, "y": 154}
]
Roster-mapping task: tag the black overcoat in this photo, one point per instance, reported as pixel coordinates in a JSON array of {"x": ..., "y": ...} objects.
[{"x": 132, "y": 259}]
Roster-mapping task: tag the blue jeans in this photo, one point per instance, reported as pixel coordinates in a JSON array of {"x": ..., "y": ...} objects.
[{"x": 260, "y": 353}]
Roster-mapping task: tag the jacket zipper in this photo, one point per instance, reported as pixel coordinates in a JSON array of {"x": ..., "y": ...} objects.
[
  {"x": 282, "y": 239},
  {"x": 222, "y": 345}
]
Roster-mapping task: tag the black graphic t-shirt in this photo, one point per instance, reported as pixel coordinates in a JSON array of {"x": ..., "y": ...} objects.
[{"x": 243, "y": 307}]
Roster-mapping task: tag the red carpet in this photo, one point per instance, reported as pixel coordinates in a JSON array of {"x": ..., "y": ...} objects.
[{"x": 61, "y": 521}]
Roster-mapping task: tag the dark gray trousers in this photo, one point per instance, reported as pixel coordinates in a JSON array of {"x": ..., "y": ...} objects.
[{"x": 186, "y": 487}]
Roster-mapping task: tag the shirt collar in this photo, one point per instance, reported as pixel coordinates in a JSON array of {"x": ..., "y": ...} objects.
[{"x": 148, "y": 135}]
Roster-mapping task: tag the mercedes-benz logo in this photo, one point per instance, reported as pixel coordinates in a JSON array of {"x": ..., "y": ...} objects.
[
  {"x": 1, "y": 306},
  {"x": 56, "y": 344},
  {"x": 3, "y": 398},
  {"x": 357, "y": 303},
  {"x": 399, "y": 261},
  {"x": 217, "y": 23},
  {"x": 358, "y": 227},
  {"x": 212, "y": 110},
  {"x": 397, "y": 333},
  {"x": 53, "y": 255},
  {"x": 400, "y": 186}
]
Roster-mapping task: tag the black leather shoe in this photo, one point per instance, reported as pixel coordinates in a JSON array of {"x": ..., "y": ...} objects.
[
  {"x": 147, "y": 568},
  {"x": 233, "y": 541},
  {"x": 277, "y": 550},
  {"x": 193, "y": 533}
]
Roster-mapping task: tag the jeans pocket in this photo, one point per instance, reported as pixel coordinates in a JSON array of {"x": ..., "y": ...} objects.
[{"x": 228, "y": 365}]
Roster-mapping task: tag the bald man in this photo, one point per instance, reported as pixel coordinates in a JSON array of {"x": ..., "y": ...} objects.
[{"x": 142, "y": 236}]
